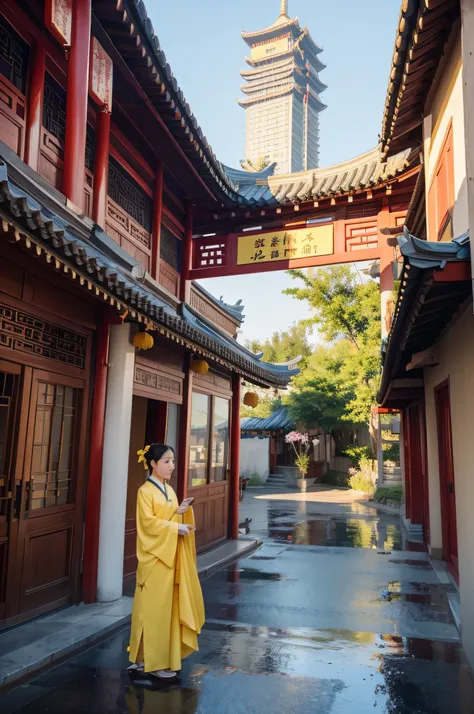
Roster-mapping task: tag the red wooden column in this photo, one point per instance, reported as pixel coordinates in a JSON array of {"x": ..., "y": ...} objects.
[
  {"x": 185, "y": 430},
  {"x": 157, "y": 214},
  {"x": 187, "y": 259},
  {"x": 235, "y": 457},
  {"x": 34, "y": 110},
  {"x": 94, "y": 485},
  {"x": 77, "y": 99},
  {"x": 101, "y": 170}
]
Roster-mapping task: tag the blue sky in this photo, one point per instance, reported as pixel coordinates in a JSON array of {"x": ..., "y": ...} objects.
[{"x": 202, "y": 42}]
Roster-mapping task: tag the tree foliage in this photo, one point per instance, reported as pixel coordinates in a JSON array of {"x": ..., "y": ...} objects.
[
  {"x": 284, "y": 346},
  {"x": 340, "y": 380}
]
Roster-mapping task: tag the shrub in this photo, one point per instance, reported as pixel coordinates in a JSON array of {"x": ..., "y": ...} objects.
[
  {"x": 389, "y": 493},
  {"x": 356, "y": 453},
  {"x": 391, "y": 452},
  {"x": 363, "y": 478},
  {"x": 336, "y": 478}
]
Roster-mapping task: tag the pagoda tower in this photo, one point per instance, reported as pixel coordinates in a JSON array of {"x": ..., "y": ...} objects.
[{"x": 282, "y": 96}]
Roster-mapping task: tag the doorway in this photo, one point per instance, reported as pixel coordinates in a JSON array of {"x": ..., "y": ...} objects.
[
  {"x": 152, "y": 421},
  {"x": 41, "y": 480},
  {"x": 447, "y": 480}
]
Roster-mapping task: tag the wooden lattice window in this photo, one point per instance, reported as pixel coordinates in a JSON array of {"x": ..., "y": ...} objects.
[
  {"x": 53, "y": 446},
  {"x": 14, "y": 54},
  {"x": 90, "y": 149},
  {"x": 8, "y": 391},
  {"x": 170, "y": 248},
  {"x": 126, "y": 192},
  {"x": 54, "y": 108}
]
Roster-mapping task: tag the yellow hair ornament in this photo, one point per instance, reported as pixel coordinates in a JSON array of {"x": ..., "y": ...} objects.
[{"x": 141, "y": 456}]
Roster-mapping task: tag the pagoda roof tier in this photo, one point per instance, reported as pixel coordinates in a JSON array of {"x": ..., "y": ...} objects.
[
  {"x": 363, "y": 172},
  {"x": 282, "y": 92},
  {"x": 36, "y": 218},
  {"x": 282, "y": 26},
  {"x": 299, "y": 48},
  {"x": 283, "y": 69}
]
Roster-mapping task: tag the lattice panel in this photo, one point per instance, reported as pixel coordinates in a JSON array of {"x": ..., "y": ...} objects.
[
  {"x": 90, "y": 149},
  {"x": 54, "y": 108},
  {"x": 170, "y": 248},
  {"x": 25, "y": 333},
  {"x": 361, "y": 236},
  {"x": 210, "y": 252},
  {"x": 14, "y": 53},
  {"x": 126, "y": 192}
]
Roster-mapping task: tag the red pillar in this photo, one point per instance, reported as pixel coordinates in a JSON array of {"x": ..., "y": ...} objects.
[
  {"x": 77, "y": 99},
  {"x": 94, "y": 485},
  {"x": 187, "y": 260},
  {"x": 157, "y": 213},
  {"x": 101, "y": 169},
  {"x": 185, "y": 431},
  {"x": 34, "y": 110},
  {"x": 235, "y": 457}
]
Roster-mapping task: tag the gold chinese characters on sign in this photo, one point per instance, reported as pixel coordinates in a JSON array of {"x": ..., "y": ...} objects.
[{"x": 308, "y": 242}]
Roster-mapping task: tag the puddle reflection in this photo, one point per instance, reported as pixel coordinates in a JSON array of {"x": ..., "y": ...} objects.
[{"x": 148, "y": 698}]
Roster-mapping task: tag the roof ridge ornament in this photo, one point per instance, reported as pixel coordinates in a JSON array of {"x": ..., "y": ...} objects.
[{"x": 284, "y": 8}]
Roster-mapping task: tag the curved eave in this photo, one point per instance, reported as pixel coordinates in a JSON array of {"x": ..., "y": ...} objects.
[
  {"x": 104, "y": 270},
  {"x": 420, "y": 39},
  {"x": 424, "y": 306},
  {"x": 362, "y": 172},
  {"x": 129, "y": 26}
]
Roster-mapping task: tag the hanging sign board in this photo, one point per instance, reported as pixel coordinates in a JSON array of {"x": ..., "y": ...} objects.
[
  {"x": 58, "y": 20},
  {"x": 308, "y": 242},
  {"x": 101, "y": 75}
]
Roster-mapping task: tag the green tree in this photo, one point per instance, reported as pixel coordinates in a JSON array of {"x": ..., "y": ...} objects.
[
  {"x": 344, "y": 379},
  {"x": 284, "y": 346}
]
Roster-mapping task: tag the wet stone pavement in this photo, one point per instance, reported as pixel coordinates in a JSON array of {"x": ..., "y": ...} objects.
[{"x": 335, "y": 613}]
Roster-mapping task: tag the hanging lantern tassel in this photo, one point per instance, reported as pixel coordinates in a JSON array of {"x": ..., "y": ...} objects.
[
  {"x": 251, "y": 399},
  {"x": 143, "y": 341},
  {"x": 199, "y": 366}
]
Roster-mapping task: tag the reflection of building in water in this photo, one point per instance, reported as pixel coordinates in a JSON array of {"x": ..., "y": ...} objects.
[{"x": 150, "y": 701}]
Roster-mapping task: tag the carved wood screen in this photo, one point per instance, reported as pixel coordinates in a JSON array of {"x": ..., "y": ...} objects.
[{"x": 129, "y": 214}]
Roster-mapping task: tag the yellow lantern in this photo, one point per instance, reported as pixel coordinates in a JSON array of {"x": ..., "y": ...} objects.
[
  {"x": 200, "y": 366},
  {"x": 251, "y": 400},
  {"x": 143, "y": 341}
]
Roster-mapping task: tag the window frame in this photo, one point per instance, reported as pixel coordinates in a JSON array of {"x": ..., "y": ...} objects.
[
  {"x": 210, "y": 475},
  {"x": 442, "y": 185}
]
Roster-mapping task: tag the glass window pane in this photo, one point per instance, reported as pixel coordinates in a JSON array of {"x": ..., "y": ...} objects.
[
  {"x": 199, "y": 444},
  {"x": 220, "y": 439},
  {"x": 53, "y": 446}
]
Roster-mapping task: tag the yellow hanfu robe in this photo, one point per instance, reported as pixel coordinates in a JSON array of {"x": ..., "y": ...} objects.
[{"x": 168, "y": 608}]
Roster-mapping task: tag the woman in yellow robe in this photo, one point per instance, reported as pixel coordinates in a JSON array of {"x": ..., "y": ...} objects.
[{"x": 168, "y": 608}]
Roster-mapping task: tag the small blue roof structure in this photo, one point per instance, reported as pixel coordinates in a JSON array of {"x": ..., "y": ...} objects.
[{"x": 279, "y": 422}]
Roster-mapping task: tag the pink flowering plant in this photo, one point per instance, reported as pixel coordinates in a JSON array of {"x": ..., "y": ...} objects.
[{"x": 301, "y": 444}]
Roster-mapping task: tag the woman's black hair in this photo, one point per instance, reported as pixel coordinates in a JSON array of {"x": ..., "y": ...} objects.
[{"x": 155, "y": 453}]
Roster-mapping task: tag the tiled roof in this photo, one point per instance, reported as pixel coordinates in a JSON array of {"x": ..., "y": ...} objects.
[
  {"x": 278, "y": 421},
  {"x": 362, "y": 172},
  {"x": 422, "y": 31},
  {"x": 84, "y": 253},
  {"x": 424, "y": 306}
]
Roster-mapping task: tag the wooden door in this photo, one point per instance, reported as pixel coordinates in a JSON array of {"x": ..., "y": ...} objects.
[
  {"x": 273, "y": 454},
  {"x": 447, "y": 481},
  {"x": 10, "y": 375},
  {"x": 48, "y": 513}
]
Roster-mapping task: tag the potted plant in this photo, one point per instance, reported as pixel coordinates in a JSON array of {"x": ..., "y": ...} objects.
[{"x": 301, "y": 445}]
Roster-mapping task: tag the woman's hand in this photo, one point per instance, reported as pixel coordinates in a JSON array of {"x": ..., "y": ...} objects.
[
  {"x": 183, "y": 529},
  {"x": 184, "y": 506}
]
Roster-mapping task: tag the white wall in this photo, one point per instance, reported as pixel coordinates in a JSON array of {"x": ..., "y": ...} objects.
[
  {"x": 456, "y": 352},
  {"x": 255, "y": 460}
]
